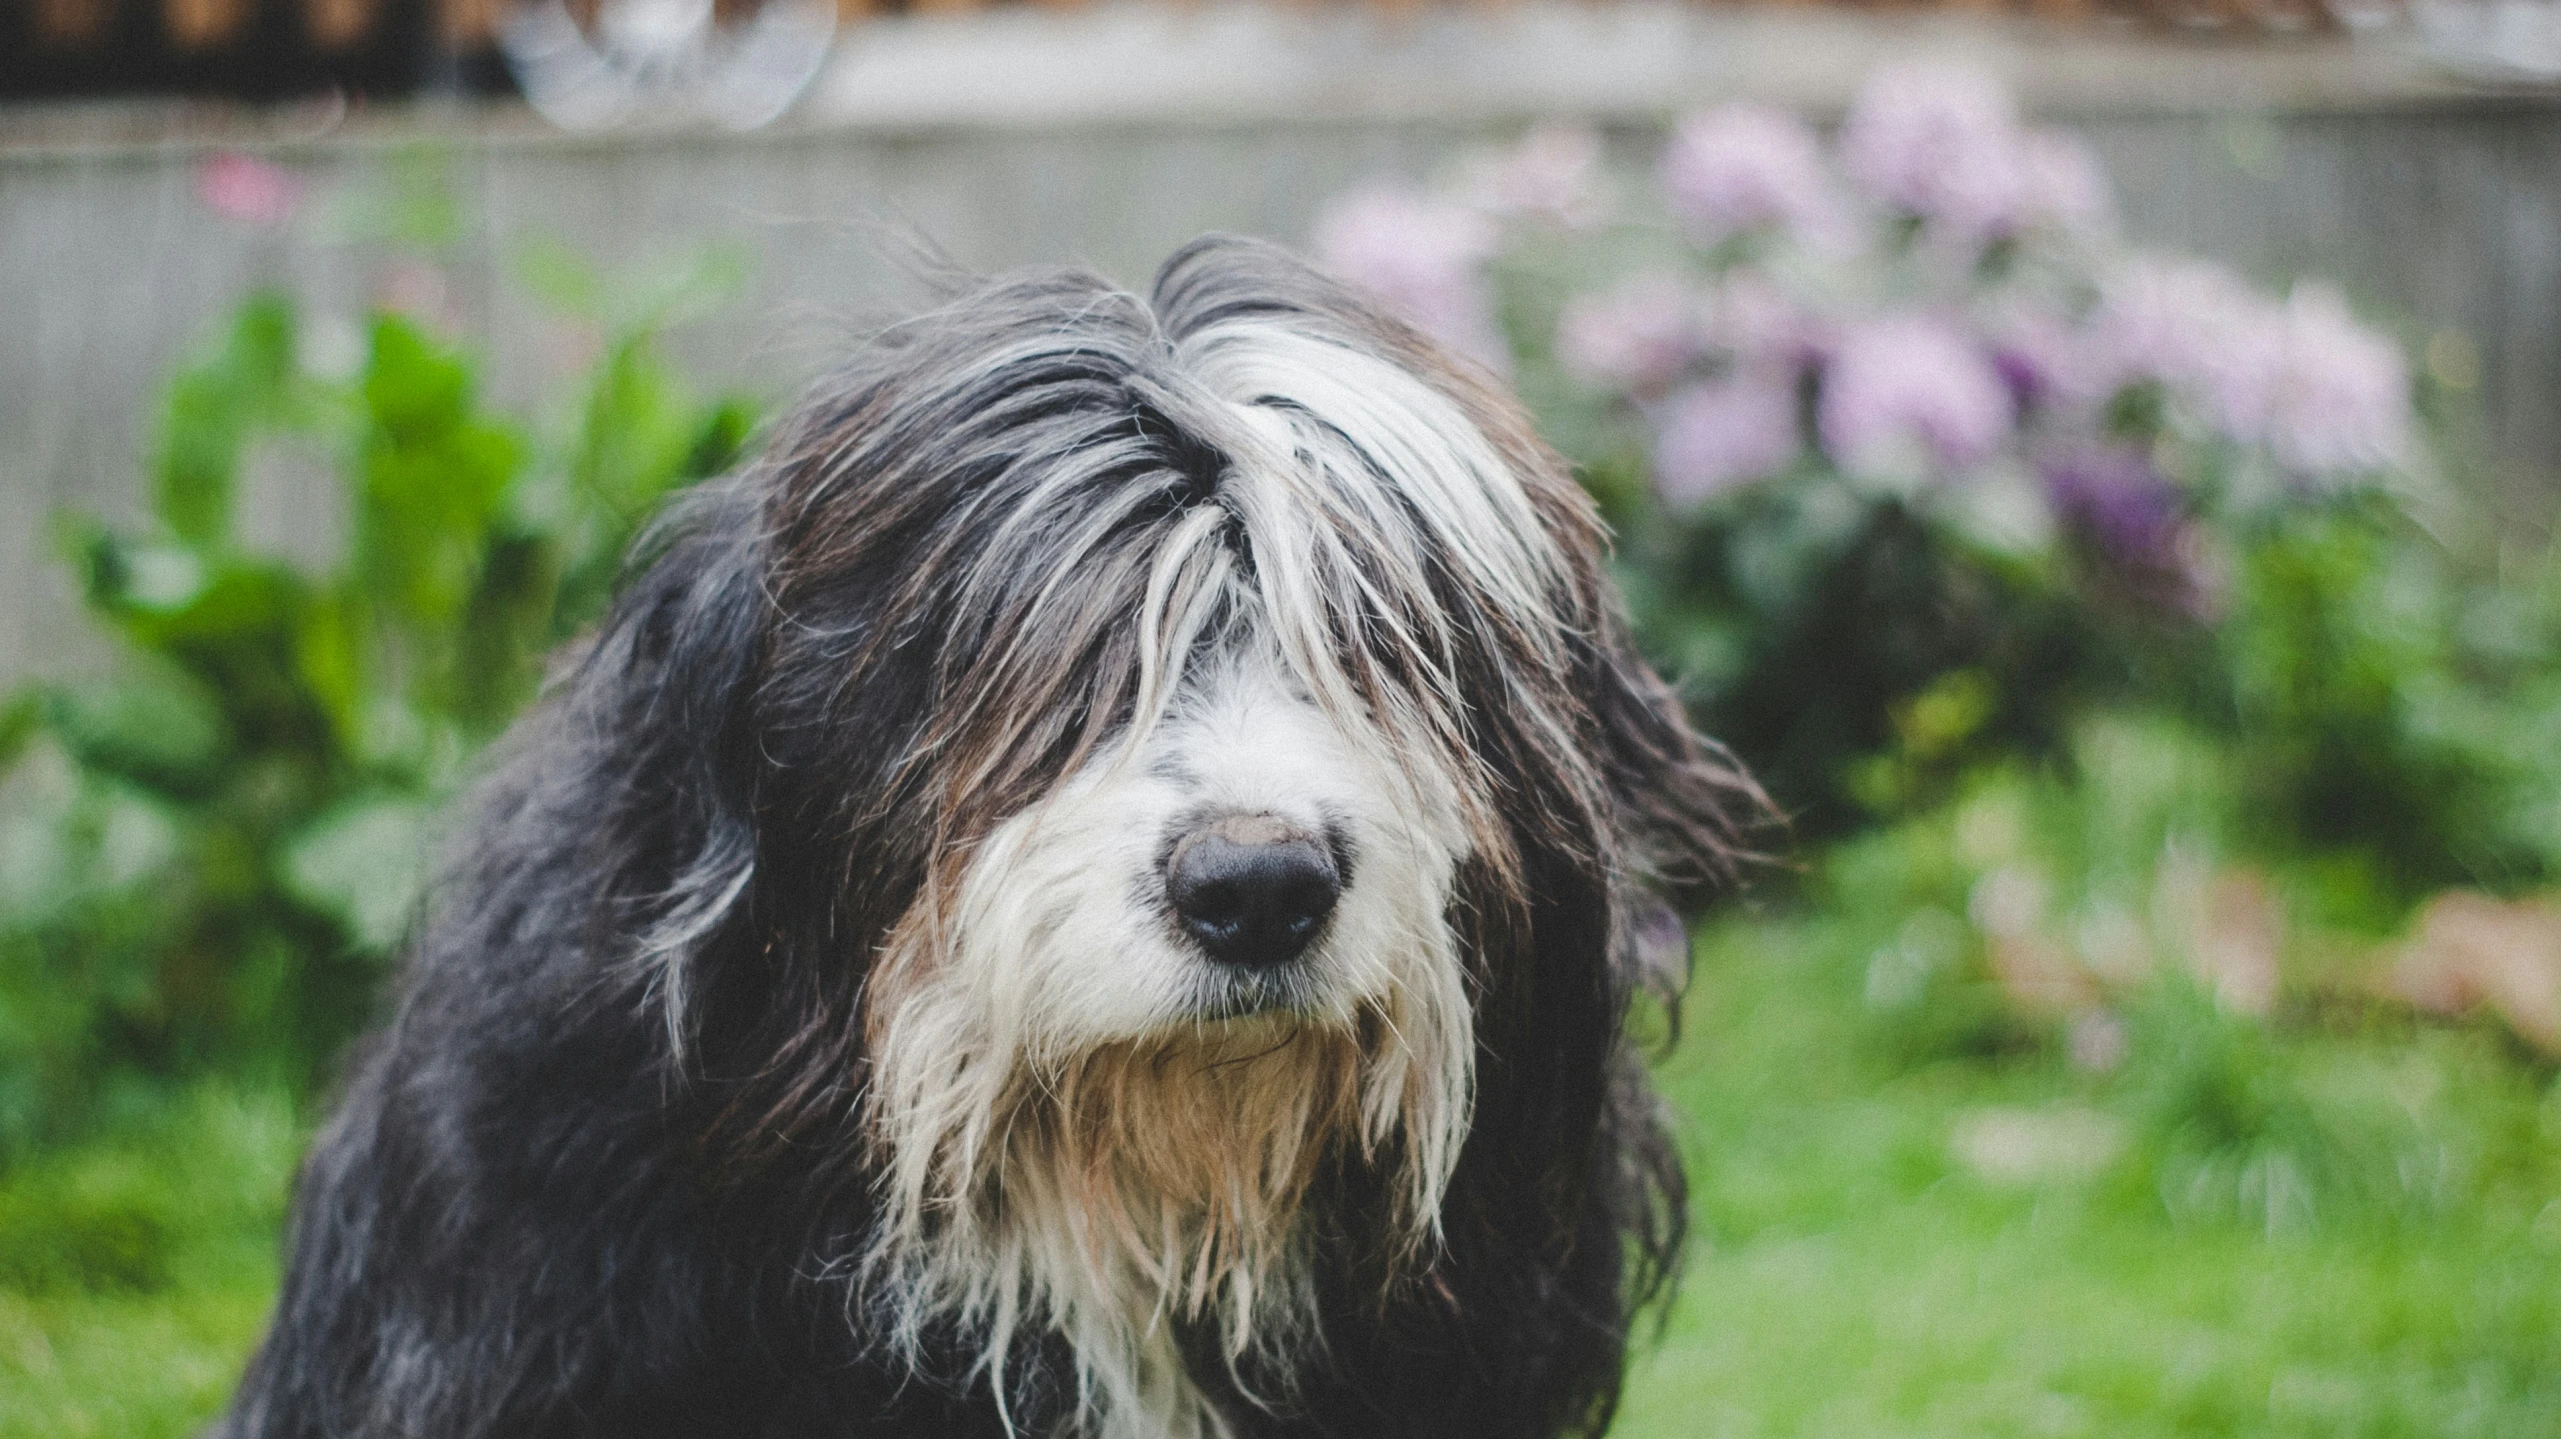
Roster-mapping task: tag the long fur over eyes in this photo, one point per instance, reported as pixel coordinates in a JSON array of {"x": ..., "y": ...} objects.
[{"x": 801, "y": 1043}]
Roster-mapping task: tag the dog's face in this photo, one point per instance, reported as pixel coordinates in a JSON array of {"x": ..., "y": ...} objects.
[
  {"x": 1247, "y": 854},
  {"x": 1213, "y": 953},
  {"x": 1207, "y": 714}
]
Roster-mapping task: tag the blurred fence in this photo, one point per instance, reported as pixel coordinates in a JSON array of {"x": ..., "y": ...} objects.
[{"x": 2438, "y": 210}]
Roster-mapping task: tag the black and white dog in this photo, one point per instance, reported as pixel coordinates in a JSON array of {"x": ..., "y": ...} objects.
[{"x": 1094, "y": 891}]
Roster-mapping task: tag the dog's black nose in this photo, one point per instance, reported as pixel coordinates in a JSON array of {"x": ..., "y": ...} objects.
[{"x": 1251, "y": 892}]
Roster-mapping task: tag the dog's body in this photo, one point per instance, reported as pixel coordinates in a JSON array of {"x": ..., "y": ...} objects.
[{"x": 1095, "y": 890}]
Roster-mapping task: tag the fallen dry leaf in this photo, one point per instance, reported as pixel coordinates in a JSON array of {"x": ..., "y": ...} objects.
[
  {"x": 2227, "y": 926},
  {"x": 2042, "y": 977},
  {"x": 2236, "y": 939},
  {"x": 2468, "y": 951}
]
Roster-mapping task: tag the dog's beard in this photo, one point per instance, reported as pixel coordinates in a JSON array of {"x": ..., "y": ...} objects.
[
  {"x": 1156, "y": 1184},
  {"x": 1143, "y": 1191}
]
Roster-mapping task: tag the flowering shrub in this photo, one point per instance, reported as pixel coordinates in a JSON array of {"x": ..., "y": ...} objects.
[{"x": 1911, "y": 457}]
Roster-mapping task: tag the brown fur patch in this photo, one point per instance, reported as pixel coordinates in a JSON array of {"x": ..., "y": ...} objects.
[{"x": 1192, "y": 1147}]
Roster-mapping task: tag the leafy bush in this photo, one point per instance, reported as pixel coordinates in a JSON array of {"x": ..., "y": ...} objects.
[{"x": 216, "y": 846}]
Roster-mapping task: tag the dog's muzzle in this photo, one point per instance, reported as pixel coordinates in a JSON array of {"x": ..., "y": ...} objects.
[{"x": 1251, "y": 890}]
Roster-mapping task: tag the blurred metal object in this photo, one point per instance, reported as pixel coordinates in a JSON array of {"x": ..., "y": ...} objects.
[
  {"x": 2506, "y": 40},
  {"x": 665, "y": 63}
]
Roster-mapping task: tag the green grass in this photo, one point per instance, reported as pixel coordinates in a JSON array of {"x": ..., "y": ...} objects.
[
  {"x": 1854, "y": 1276},
  {"x": 136, "y": 1272}
]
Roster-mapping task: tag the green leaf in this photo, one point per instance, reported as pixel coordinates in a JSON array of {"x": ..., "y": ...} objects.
[
  {"x": 210, "y": 413},
  {"x": 364, "y": 864},
  {"x": 331, "y": 658},
  {"x": 720, "y": 439},
  {"x": 241, "y": 602},
  {"x": 435, "y": 474},
  {"x": 21, "y": 721},
  {"x": 154, "y": 725},
  {"x": 94, "y": 1223}
]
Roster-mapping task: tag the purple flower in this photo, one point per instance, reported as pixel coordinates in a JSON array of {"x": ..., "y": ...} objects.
[
  {"x": 1553, "y": 174},
  {"x": 1906, "y": 394},
  {"x": 2067, "y": 188},
  {"x": 2118, "y": 500},
  {"x": 2137, "y": 523},
  {"x": 1739, "y": 168},
  {"x": 2339, "y": 401},
  {"x": 1423, "y": 258},
  {"x": 1943, "y": 145},
  {"x": 2327, "y": 396},
  {"x": 1758, "y": 323},
  {"x": 1636, "y": 338},
  {"x": 1711, "y": 437},
  {"x": 2199, "y": 331},
  {"x": 2048, "y": 362}
]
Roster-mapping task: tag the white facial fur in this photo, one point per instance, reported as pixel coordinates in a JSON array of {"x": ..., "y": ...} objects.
[{"x": 1063, "y": 924}]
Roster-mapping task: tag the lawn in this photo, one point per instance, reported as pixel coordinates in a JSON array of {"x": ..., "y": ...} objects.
[
  {"x": 135, "y": 1273},
  {"x": 1855, "y": 1276},
  {"x": 1892, "y": 1240}
]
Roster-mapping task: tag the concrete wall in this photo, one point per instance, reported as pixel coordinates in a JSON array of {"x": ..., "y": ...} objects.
[{"x": 2438, "y": 207}]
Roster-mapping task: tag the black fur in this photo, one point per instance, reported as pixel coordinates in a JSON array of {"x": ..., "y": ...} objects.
[{"x": 603, "y": 1175}]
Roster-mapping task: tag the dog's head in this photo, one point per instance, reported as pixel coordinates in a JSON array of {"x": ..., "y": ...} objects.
[{"x": 1157, "y": 767}]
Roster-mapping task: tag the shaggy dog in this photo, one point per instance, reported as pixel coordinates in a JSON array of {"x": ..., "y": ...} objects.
[{"x": 1094, "y": 890}]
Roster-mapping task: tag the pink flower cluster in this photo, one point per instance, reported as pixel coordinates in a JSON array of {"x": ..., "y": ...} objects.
[
  {"x": 247, "y": 190},
  {"x": 1423, "y": 254},
  {"x": 1904, "y": 396},
  {"x": 1716, "y": 372},
  {"x": 1637, "y": 338},
  {"x": 1946, "y": 148},
  {"x": 1726, "y": 431},
  {"x": 1841, "y": 304},
  {"x": 2327, "y": 398},
  {"x": 2338, "y": 395},
  {"x": 1743, "y": 168},
  {"x": 1553, "y": 175},
  {"x": 1908, "y": 395}
]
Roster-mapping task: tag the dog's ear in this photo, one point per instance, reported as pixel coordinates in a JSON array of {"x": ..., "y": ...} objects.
[
  {"x": 1687, "y": 812},
  {"x": 666, "y": 695}
]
